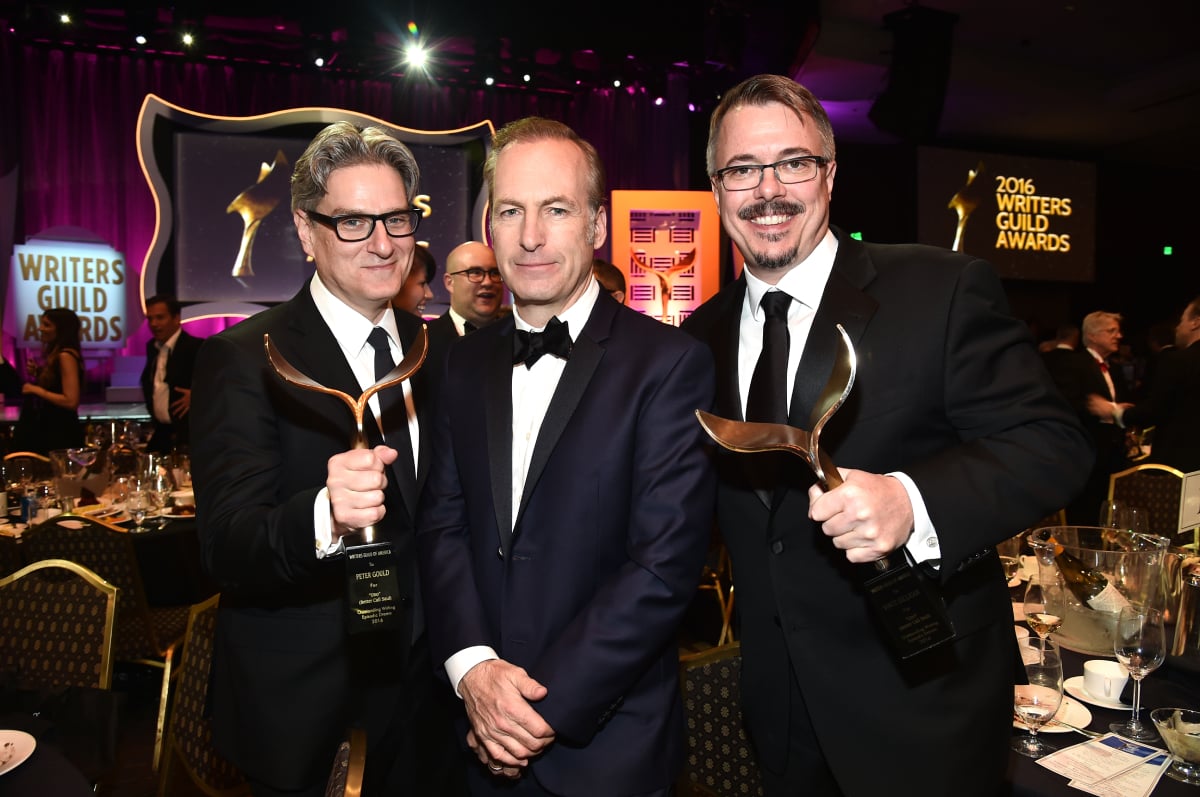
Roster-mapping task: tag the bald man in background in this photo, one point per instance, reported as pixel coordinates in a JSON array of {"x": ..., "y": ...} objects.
[{"x": 476, "y": 290}]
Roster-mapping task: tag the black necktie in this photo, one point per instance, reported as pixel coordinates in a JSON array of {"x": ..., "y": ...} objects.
[
  {"x": 528, "y": 347},
  {"x": 468, "y": 327},
  {"x": 392, "y": 408},
  {"x": 767, "y": 401}
]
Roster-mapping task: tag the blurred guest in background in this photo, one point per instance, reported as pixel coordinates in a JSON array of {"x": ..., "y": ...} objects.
[
  {"x": 1171, "y": 404},
  {"x": 611, "y": 278},
  {"x": 475, "y": 287},
  {"x": 1088, "y": 374},
  {"x": 50, "y": 408},
  {"x": 167, "y": 377},
  {"x": 415, "y": 292},
  {"x": 952, "y": 440}
]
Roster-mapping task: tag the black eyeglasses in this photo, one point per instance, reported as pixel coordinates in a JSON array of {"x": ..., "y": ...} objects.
[
  {"x": 476, "y": 274},
  {"x": 745, "y": 176},
  {"x": 355, "y": 227}
]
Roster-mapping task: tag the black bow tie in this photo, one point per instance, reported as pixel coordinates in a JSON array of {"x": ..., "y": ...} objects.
[{"x": 528, "y": 347}]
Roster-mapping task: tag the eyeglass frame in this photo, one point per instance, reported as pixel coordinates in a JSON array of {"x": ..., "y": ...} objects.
[
  {"x": 493, "y": 273},
  {"x": 332, "y": 223},
  {"x": 818, "y": 160}
]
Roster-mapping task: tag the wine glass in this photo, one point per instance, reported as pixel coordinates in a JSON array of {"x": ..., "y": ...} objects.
[
  {"x": 138, "y": 504},
  {"x": 1036, "y": 702},
  {"x": 158, "y": 483},
  {"x": 1043, "y": 607},
  {"x": 1138, "y": 642},
  {"x": 83, "y": 457}
]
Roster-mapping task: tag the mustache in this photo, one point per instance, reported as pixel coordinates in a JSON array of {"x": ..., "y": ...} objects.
[{"x": 775, "y": 207}]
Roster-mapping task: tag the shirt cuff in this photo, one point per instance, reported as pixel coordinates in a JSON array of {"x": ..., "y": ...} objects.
[
  {"x": 323, "y": 527},
  {"x": 1118, "y": 414},
  {"x": 461, "y": 663},
  {"x": 923, "y": 543}
]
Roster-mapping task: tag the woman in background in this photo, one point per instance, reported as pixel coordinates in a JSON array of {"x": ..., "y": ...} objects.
[{"x": 49, "y": 413}]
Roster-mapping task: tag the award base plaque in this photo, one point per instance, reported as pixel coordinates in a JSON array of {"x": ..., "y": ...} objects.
[
  {"x": 909, "y": 609},
  {"x": 373, "y": 596}
]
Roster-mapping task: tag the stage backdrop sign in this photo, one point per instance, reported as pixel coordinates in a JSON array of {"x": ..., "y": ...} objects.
[
  {"x": 84, "y": 276},
  {"x": 225, "y": 243},
  {"x": 1031, "y": 218},
  {"x": 668, "y": 245}
]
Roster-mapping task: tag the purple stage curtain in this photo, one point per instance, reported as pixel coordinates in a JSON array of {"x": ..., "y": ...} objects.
[{"x": 72, "y": 115}]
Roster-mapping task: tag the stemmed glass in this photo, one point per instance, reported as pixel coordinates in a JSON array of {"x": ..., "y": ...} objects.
[
  {"x": 159, "y": 485},
  {"x": 1117, "y": 514},
  {"x": 138, "y": 503},
  {"x": 1038, "y": 701},
  {"x": 1043, "y": 607},
  {"x": 1138, "y": 643}
]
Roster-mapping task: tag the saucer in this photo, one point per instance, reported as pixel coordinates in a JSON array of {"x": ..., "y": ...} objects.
[
  {"x": 15, "y": 747},
  {"x": 1074, "y": 687}
]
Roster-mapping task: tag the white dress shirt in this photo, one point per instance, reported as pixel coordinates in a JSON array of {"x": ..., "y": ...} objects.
[
  {"x": 162, "y": 391},
  {"x": 351, "y": 329},
  {"x": 532, "y": 390},
  {"x": 805, "y": 284}
]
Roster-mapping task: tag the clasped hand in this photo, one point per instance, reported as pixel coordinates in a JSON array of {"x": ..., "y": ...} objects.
[
  {"x": 505, "y": 729},
  {"x": 868, "y": 516},
  {"x": 356, "y": 481}
]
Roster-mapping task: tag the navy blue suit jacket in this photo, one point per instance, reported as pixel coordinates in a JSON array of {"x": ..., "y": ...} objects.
[{"x": 588, "y": 591}]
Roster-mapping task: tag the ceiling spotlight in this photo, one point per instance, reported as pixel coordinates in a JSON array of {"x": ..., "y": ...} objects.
[
  {"x": 617, "y": 83},
  {"x": 658, "y": 101},
  {"x": 188, "y": 39},
  {"x": 64, "y": 18},
  {"x": 416, "y": 56},
  {"x": 527, "y": 77},
  {"x": 489, "y": 81},
  {"x": 318, "y": 62},
  {"x": 140, "y": 39}
]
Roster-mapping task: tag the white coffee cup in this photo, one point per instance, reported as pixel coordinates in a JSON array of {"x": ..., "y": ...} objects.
[{"x": 1104, "y": 679}]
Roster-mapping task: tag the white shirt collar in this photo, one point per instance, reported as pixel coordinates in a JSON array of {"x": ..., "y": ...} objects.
[
  {"x": 170, "y": 342},
  {"x": 575, "y": 316},
  {"x": 350, "y": 328},
  {"x": 804, "y": 282}
]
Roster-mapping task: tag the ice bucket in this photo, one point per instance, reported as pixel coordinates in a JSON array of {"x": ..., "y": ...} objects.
[{"x": 1130, "y": 561}]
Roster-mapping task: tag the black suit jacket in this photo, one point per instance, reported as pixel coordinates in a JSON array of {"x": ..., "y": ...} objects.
[
  {"x": 611, "y": 532},
  {"x": 287, "y": 679},
  {"x": 442, "y": 333},
  {"x": 1171, "y": 407},
  {"x": 181, "y": 363},
  {"x": 949, "y": 390}
]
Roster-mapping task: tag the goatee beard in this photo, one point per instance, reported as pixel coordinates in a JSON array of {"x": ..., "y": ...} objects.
[{"x": 775, "y": 207}]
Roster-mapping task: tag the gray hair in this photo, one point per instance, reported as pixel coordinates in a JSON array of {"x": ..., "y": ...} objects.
[
  {"x": 763, "y": 90},
  {"x": 343, "y": 144}
]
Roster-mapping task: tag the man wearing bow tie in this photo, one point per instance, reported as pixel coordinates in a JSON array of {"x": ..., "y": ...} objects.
[{"x": 559, "y": 558}]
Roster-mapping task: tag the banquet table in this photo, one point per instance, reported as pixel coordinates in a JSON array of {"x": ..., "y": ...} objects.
[
  {"x": 1167, "y": 686},
  {"x": 47, "y": 772}
]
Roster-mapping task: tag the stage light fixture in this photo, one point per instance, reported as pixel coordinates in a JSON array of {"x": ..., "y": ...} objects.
[
  {"x": 489, "y": 81},
  {"x": 318, "y": 62},
  {"x": 187, "y": 39},
  {"x": 527, "y": 77},
  {"x": 617, "y": 83},
  {"x": 140, "y": 39},
  {"x": 416, "y": 56}
]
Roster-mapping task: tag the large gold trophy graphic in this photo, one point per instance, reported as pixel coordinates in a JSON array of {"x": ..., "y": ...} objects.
[
  {"x": 256, "y": 203},
  {"x": 372, "y": 588}
]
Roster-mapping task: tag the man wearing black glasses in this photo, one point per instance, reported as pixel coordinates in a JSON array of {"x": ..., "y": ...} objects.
[
  {"x": 280, "y": 496},
  {"x": 953, "y": 439},
  {"x": 476, "y": 290}
]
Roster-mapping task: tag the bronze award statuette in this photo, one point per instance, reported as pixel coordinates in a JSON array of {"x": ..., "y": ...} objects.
[
  {"x": 372, "y": 588},
  {"x": 906, "y": 602}
]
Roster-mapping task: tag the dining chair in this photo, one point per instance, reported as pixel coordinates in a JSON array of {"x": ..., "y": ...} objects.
[
  {"x": 718, "y": 756},
  {"x": 144, "y": 635},
  {"x": 1155, "y": 488},
  {"x": 56, "y": 626},
  {"x": 346, "y": 777},
  {"x": 717, "y": 577},
  {"x": 189, "y": 744},
  {"x": 39, "y": 464}
]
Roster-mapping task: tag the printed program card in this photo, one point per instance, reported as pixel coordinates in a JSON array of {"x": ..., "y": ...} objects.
[
  {"x": 1136, "y": 782},
  {"x": 1098, "y": 759}
]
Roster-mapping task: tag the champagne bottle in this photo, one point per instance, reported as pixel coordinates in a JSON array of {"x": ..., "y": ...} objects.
[{"x": 1088, "y": 584}]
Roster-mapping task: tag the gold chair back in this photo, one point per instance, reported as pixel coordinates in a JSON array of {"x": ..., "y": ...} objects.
[
  {"x": 189, "y": 735},
  {"x": 1155, "y": 488},
  {"x": 346, "y": 777},
  {"x": 718, "y": 757},
  {"x": 56, "y": 626},
  {"x": 144, "y": 635}
]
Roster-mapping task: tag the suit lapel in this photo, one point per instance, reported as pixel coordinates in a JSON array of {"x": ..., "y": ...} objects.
[
  {"x": 498, "y": 406},
  {"x": 725, "y": 352},
  {"x": 395, "y": 413}
]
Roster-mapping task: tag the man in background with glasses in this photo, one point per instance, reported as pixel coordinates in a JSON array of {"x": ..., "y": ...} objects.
[
  {"x": 279, "y": 495},
  {"x": 476, "y": 290},
  {"x": 953, "y": 439}
]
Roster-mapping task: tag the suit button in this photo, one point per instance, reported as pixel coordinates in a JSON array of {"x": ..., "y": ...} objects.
[{"x": 777, "y": 546}]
